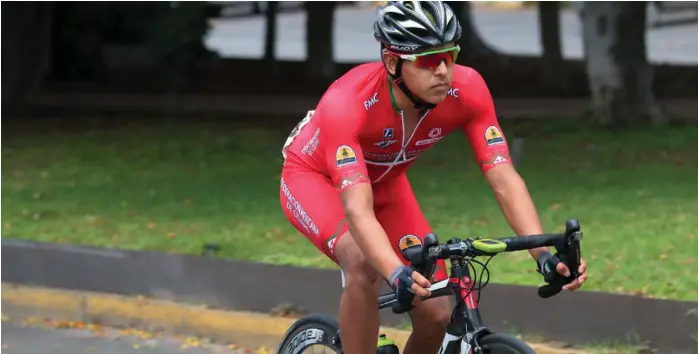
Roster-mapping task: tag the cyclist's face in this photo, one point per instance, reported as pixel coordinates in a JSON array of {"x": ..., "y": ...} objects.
[{"x": 428, "y": 79}]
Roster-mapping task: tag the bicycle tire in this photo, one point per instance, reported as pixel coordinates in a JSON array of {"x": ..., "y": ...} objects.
[
  {"x": 501, "y": 343},
  {"x": 293, "y": 342}
]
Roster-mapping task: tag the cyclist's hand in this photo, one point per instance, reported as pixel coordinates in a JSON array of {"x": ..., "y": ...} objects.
[
  {"x": 421, "y": 285},
  {"x": 547, "y": 262},
  {"x": 577, "y": 283},
  {"x": 407, "y": 283}
]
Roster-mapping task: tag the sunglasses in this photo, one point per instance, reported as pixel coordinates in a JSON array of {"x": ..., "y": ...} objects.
[{"x": 432, "y": 59}]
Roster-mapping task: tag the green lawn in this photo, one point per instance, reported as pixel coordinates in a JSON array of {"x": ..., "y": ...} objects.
[{"x": 179, "y": 187}]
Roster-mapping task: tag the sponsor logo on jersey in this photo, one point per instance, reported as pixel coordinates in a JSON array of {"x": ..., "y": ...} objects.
[
  {"x": 434, "y": 136},
  {"x": 311, "y": 145},
  {"x": 435, "y": 133},
  {"x": 493, "y": 136},
  {"x": 385, "y": 143},
  {"x": 371, "y": 101},
  {"x": 426, "y": 141},
  {"x": 345, "y": 156},
  {"x": 497, "y": 158},
  {"x": 392, "y": 156},
  {"x": 453, "y": 92},
  {"x": 295, "y": 208},
  {"x": 388, "y": 133}
]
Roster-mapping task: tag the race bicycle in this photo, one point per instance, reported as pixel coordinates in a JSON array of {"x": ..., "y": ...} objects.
[{"x": 466, "y": 332}]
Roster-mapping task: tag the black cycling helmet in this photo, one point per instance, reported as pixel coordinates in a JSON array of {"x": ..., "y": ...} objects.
[{"x": 409, "y": 26}]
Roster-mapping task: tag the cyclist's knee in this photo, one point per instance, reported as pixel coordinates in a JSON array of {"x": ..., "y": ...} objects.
[
  {"x": 357, "y": 270},
  {"x": 431, "y": 317}
]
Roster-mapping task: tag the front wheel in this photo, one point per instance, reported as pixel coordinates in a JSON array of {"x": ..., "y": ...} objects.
[
  {"x": 500, "y": 343},
  {"x": 316, "y": 331}
]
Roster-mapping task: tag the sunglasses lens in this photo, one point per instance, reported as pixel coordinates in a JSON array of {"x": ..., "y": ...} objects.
[{"x": 431, "y": 61}]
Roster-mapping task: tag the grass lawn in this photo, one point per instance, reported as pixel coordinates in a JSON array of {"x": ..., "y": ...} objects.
[{"x": 176, "y": 187}]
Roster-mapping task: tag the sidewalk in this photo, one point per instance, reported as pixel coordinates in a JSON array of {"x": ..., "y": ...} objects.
[
  {"x": 251, "y": 330},
  {"x": 298, "y": 105}
]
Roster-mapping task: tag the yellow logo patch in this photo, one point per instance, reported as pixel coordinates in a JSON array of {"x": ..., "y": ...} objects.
[
  {"x": 345, "y": 156},
  {"x": 493, "y": 136}
]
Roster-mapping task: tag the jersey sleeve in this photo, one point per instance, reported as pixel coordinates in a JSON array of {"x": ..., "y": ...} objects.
[
  {"x": 340, "y": 130},
  {"x": 481, "y": 127}
]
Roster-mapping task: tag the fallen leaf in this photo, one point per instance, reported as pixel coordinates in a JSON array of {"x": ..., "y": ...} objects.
[
  {"x": 170, "y": 235},
  {"x": 192, "y": 342},
  {"x": 151, "y": 225}
]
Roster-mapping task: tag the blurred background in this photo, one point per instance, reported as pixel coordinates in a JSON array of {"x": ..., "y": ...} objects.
[{"x": 159, "y": 125}]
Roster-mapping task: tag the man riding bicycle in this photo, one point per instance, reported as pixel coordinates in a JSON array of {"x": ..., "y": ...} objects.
[{"x": 343, "y": 182}]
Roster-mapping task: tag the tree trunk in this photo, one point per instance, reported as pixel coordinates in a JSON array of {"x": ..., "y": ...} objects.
[
  {"x": 319, "y": 35},
  {"x": 270, "y": 39},
  {"x": 619, "y": 75},
  {"x": 26, "y": 40},
  {"x": 554, "y": 76},
  {"x": 471, "y": 44}
]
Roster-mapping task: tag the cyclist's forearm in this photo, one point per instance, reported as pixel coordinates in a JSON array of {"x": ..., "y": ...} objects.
[
  {"x": 373, "y": 242},
  {"x": 520, "y": 211}
]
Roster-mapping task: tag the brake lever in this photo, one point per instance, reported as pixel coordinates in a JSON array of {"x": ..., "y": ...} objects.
[{"x": 430, "y": 240}]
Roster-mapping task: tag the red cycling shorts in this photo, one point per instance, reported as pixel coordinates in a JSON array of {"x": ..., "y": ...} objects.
[{"x": 311, "y": 203}]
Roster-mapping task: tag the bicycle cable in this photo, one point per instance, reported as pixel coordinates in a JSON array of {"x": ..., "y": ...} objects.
[{"x": 477, "y": 281}]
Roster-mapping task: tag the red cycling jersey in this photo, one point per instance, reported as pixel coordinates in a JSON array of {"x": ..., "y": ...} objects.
[
  {"x": 356, "y": 130},
  {"x": 356, "y": 134}
]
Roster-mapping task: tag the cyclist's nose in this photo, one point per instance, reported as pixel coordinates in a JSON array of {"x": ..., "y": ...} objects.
[{"x": 442, "y": 69}]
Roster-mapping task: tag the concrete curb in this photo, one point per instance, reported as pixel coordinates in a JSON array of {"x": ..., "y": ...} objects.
[{"x": 244, "y": 328}]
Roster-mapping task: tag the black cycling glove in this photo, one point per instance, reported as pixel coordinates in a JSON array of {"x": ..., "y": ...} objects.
[
  {"x": 401, "y": 281},
  {"x": 547, "y": 266}
]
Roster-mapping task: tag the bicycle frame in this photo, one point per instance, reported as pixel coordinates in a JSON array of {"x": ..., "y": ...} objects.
[{"x": 466, "y": 325}]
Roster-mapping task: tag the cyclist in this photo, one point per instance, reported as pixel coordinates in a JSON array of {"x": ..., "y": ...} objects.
[{"x": 343, "y": 182}]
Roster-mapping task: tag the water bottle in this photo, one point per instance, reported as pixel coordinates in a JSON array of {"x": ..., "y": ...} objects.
[{"x": 386, "y": 346}]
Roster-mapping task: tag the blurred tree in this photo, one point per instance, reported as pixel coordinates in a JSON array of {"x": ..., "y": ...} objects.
[
  {"x": 77, "y": 40},
  {"x": 472, "y": 45},
  {"x": 619, "y": 75},
  {"x": 26, "y": 38},
  {"x": 270, "y": 39},
  {"x": 176, "y": 36},
  {"x": 554, "y": 76},
  {"x": 319, "y": 34}
]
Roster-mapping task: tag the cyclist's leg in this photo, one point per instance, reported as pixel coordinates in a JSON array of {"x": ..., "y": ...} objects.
[
  {"x": 402, "y": 219},
  {"x": 311, "y": 203}
]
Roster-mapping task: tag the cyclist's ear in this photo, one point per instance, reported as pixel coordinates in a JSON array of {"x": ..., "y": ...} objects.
[{"x": 390, "y": 62}]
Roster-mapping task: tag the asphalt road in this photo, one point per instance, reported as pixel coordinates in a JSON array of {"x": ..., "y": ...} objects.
[
  {"x": 510, "y": 31},
  {"x": 30, "y": 339}
]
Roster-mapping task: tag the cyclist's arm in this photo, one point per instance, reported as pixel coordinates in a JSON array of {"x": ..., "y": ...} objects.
[
  {"x": 492, "y": 153},
  {"x": 347, "y": 168}
]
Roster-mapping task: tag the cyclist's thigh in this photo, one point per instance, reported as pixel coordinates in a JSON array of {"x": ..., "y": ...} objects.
[
  {"x": 311, "y": 203},
  {"x": 402, "y": 219}
]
